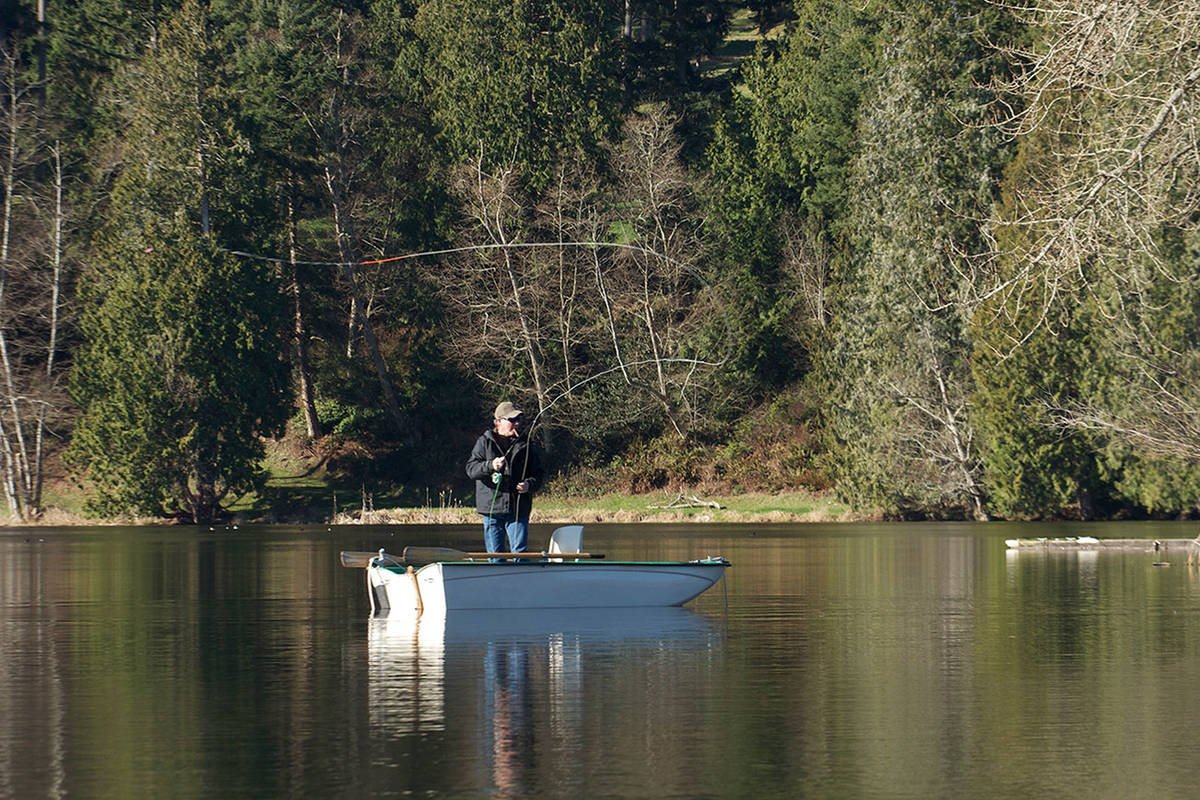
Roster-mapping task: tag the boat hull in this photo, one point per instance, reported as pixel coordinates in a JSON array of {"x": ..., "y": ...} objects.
[{"x": 486, "y": 585}]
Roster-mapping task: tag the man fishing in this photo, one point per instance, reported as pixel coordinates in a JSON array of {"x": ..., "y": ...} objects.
[{"x": 507, "y": 470}]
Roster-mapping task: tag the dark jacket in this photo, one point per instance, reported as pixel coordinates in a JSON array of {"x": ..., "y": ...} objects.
[{"x": 521, "y": 463}]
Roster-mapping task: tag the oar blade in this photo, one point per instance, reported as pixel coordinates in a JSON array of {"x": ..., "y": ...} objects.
[
  {"x": 420, "y": 556},
  {"x": 358, "y": 559}
]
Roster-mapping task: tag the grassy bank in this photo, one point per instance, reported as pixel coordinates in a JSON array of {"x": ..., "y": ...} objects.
[
  {"x": 656, "y": 507},
  {"x": 652, "y": 508}
]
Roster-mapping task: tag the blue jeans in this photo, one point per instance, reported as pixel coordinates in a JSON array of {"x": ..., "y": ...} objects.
[{"x": 503, "y": 533}]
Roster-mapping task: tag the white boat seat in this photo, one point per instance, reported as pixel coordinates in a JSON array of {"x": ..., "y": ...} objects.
[{"x": 567, "y": 539}]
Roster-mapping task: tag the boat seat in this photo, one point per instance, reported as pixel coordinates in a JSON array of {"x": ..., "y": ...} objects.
[{"x": 567, "y": 539}]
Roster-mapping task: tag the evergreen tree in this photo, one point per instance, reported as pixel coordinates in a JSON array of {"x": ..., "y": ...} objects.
[
  {"x": 665, "y": 41},
  {"x": 179, "y": 378},
  {"x": 520, "y": 83},
  {"x": 802, "y": 105},
  {"x": 180, "y": 373},
  {"x": 780, "y": 162},
  {"x": 1092, "y": 301},
  {"x": 1144, "y": 407},
  {"x": 86, "y": 45}
]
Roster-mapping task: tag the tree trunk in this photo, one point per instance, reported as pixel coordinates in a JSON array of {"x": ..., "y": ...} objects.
[
  {"x": 10, "y": 475},
  {"x": 300, "y": 333},
  {"x": 201, "y": 164},
  {"x": 202, "y": 501},
  {"x": 344, "y": 230},
  {"x": 352, "y": 325},
  {"x": 953, "y": 419},
  {"x": 41, "y": 53},
  {"x": 337, "y": 183},
  {"x": 35, "y": 499},
  {"x": 15, "y": 470}
]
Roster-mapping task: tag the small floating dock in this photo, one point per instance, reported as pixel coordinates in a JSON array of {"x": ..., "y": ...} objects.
[{"x": 1091, "y": 543}]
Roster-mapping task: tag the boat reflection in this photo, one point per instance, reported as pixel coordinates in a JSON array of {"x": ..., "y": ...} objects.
[{"x": 499, "y": 686}]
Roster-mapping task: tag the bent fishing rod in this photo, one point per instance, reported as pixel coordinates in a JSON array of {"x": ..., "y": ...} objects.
[{"x": 528, "y": 435}]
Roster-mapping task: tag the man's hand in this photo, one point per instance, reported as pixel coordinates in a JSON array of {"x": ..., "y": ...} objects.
[{"x": 498, "y": 463}]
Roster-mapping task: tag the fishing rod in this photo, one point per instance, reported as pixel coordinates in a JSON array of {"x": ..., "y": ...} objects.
[
  {"x": 527, "y": 434},
  {"x": 621, "y": 366}
]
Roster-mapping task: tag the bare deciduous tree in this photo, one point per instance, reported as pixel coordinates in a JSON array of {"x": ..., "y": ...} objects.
[
  {"x": 942, "y": 437},
  {"x": 657, "y": 285},
  {"x": 31, "y": 281},
  {"x": 1106, "y": 100},
  {"x": 807, "y": 256},
  {"x": 498, "y": 298},
  {"x": 1108, "y": 95},
  {"x": 594, "y": 281},
  {"x": 1155, "y": 410}
]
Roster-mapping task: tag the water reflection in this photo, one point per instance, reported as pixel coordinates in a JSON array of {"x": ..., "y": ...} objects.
[
  {"x": 512, "y": 687},
  {"x": 404, "y": 672},
  {"x": 857, "y": 661}
]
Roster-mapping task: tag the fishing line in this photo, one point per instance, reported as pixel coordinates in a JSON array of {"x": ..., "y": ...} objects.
[
  {"x": 451, "y": 250},
  {"x": 514, "y": 245}
]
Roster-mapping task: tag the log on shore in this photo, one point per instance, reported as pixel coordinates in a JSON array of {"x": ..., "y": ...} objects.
[{"x": 1089, "y": 543}]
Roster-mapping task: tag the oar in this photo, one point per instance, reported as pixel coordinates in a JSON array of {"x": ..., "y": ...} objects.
[
  {"x": 420, "y": 556},
  {"x": 536, "y": 555},
  {"x": 412, "y": 556}
]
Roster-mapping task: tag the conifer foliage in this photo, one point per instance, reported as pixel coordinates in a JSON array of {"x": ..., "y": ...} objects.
[
  {"x": 180, "y": 371},
  {"x": 179, "y": 378}
]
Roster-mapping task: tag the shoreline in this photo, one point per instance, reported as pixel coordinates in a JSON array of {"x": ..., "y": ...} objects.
[
  {"x": 419, "y": 516},
  {"x": 684, "y": 506},
  {"x": 789, "y": 507}
]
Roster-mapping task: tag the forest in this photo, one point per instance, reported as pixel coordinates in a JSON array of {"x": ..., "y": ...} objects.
[{"x": 939, "y": 259}]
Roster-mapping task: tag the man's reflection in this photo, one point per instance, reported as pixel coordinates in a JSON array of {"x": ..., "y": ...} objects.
[{"x": 509, "y": 706}]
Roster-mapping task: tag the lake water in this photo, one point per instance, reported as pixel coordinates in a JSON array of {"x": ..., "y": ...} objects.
[{"x": 836, "y": 661}]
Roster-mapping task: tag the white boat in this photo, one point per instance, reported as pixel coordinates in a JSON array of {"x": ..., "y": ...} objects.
[{"x": 562, "y": 577}]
